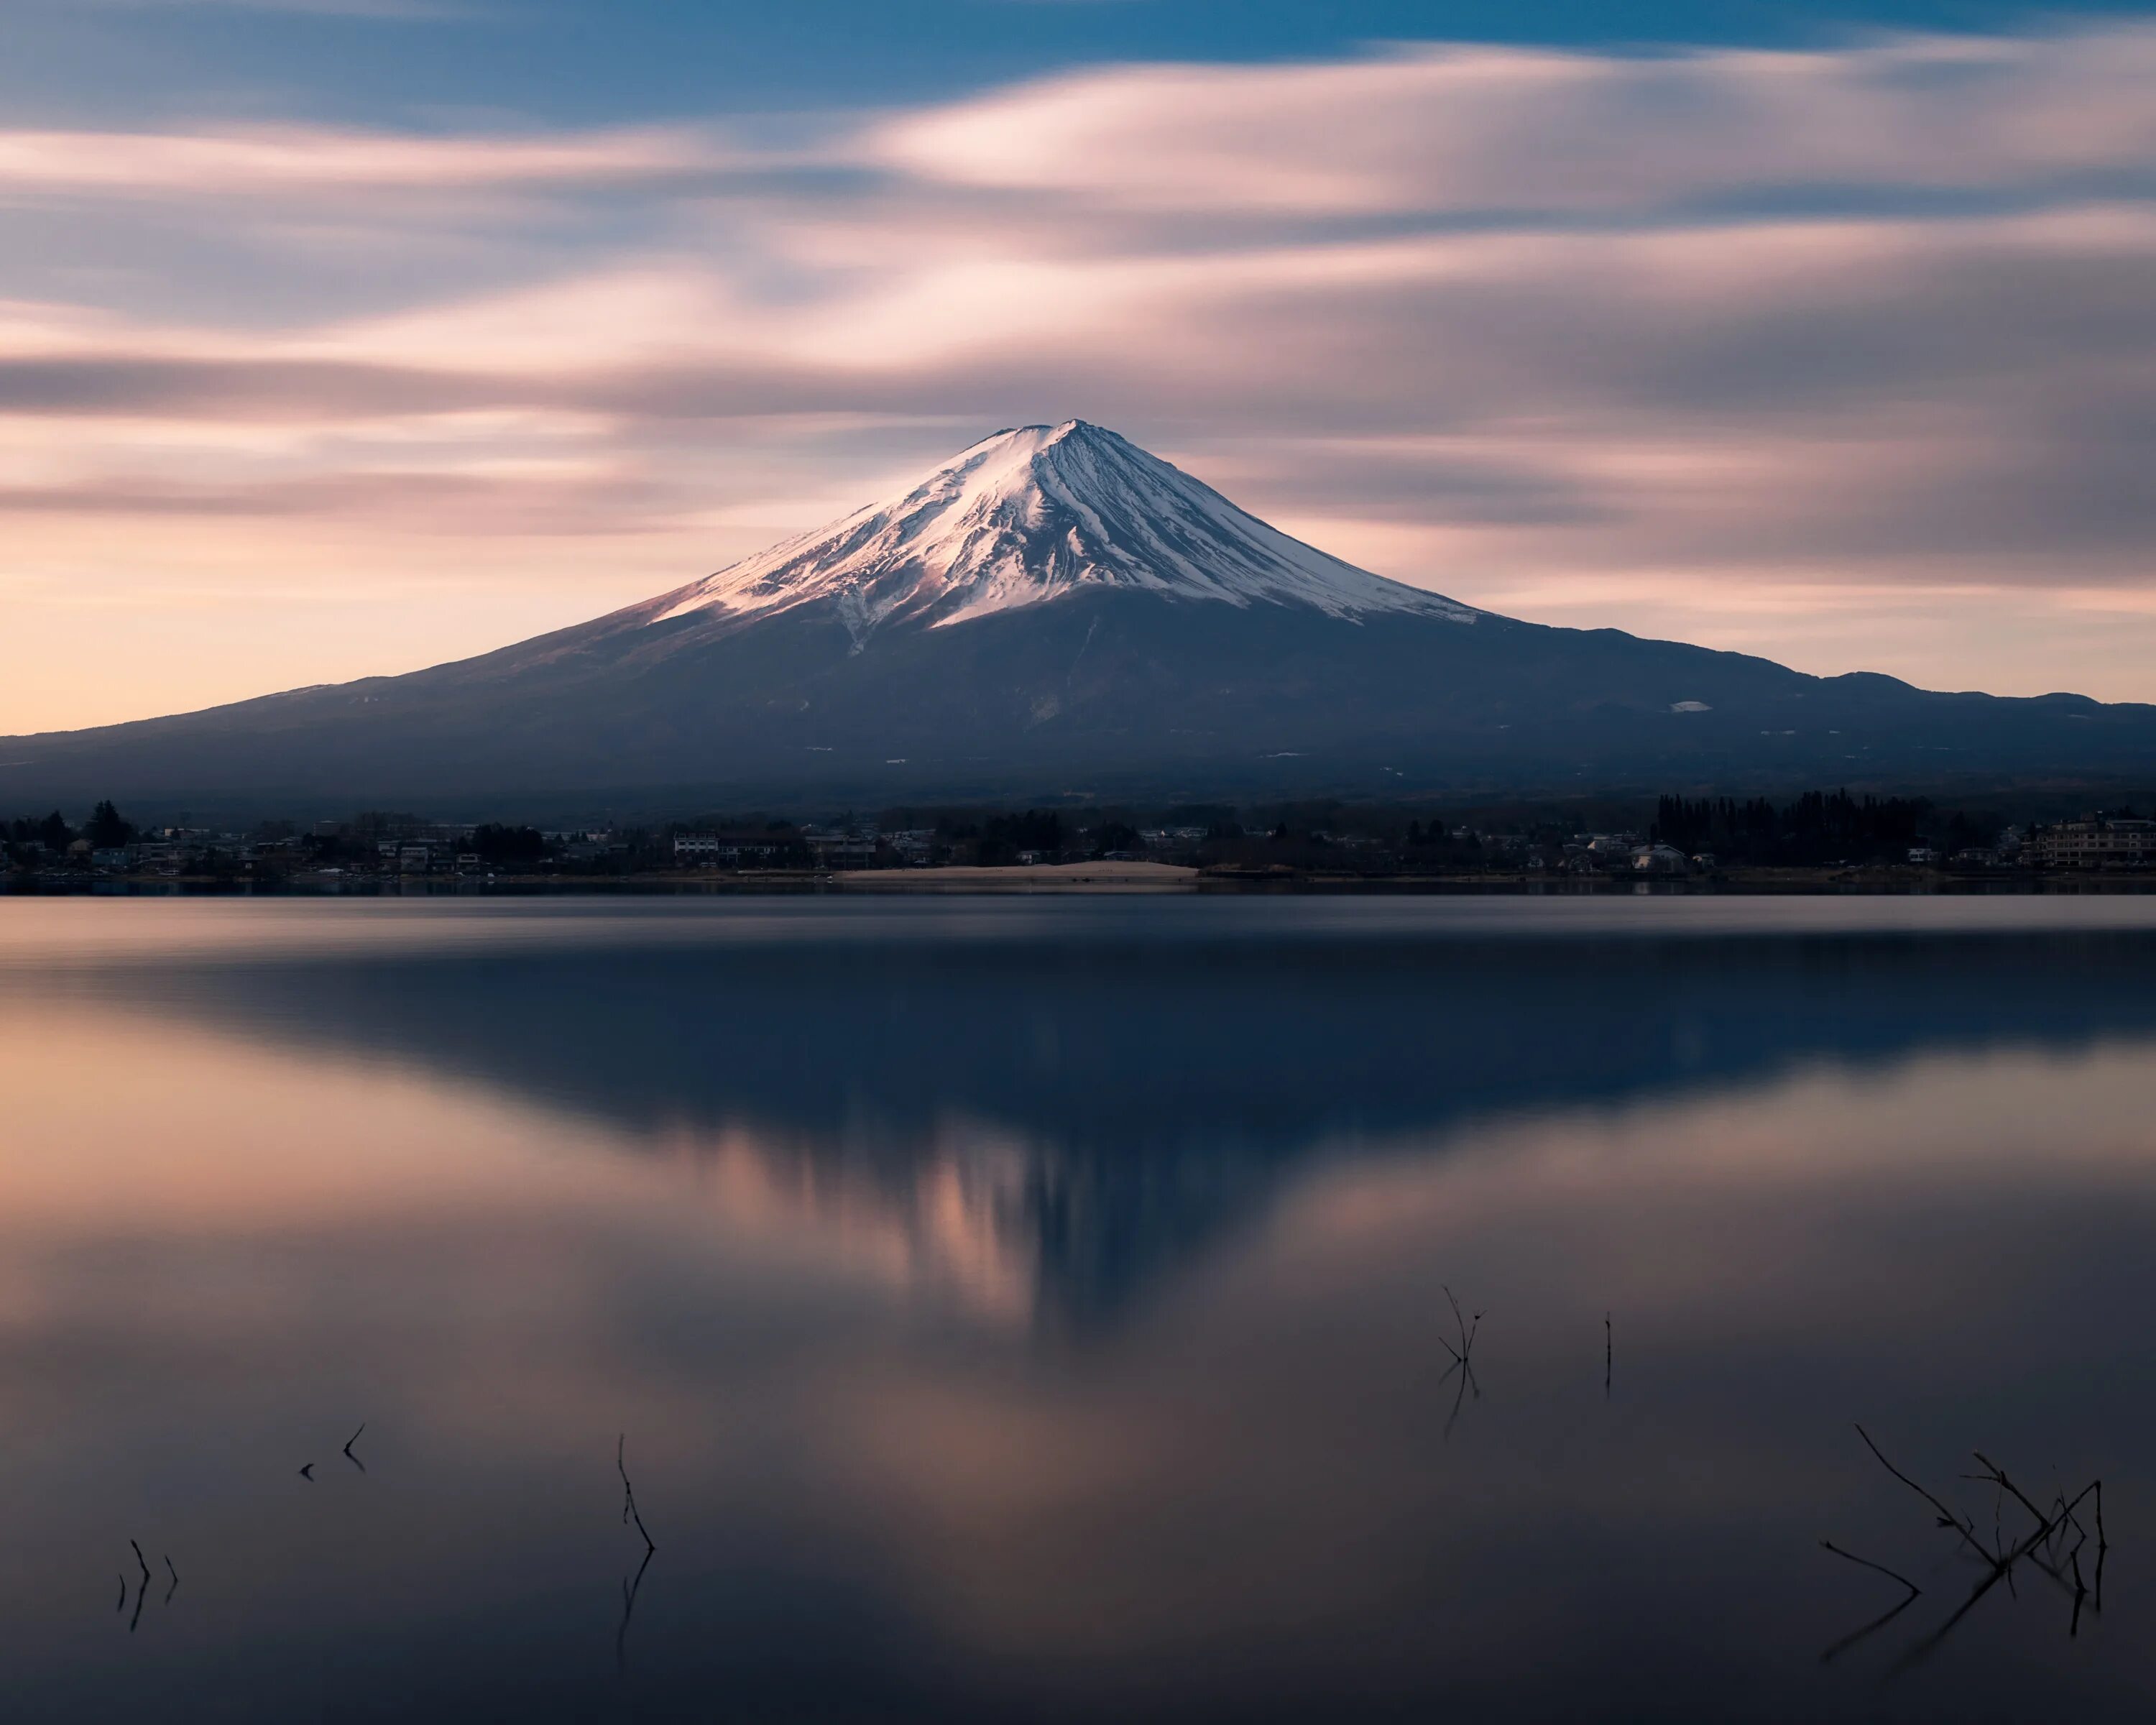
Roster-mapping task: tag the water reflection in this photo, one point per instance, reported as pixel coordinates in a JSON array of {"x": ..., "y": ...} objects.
[
  {"x": 1054, "y": 1321},
  {"x": 1054, "y": 1119}
]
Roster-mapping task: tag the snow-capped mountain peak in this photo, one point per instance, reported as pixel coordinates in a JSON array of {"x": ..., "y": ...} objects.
[{"x": 1033, "y": 514}]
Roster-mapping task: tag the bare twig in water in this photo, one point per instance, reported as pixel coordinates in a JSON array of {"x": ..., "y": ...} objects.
[
  {"x": 1467, "y": 1380},
  {"x": 122, "y": 1605},
  {"x": 1467, "y": 1334},
  {"x": 1946, "y": 1517},
  {"x": 1890, "y": 1575},
  {"x": 140, "y": 1591},
  {"x": 2002, "y": 1568},
  {"x": 349, "y": 1442},
  {"x": 2102, "y": 1545},
  {"x": 2045, "y": 1548},
  {"x": 1463, "y": 1359},
  {"x": 629, "y": 1512},
  {"x": 175, "y": 1574},
  {"x": 1869, "y": 1629},
  {"x": 630, "y": 1590},
  {"x": 1997, "y": 1475}
]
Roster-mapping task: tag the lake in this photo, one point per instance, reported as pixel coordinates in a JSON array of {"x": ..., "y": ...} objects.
[{"x": 1011, "y": 1308}]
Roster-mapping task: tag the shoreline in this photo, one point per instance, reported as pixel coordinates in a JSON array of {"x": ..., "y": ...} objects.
[{"x": 1065, "y": 879}]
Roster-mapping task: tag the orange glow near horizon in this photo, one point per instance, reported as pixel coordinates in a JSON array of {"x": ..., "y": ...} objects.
[{"x": 1581, "y": 338}]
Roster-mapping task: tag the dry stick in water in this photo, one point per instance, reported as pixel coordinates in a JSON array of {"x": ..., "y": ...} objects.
[
  {"x": 140, "y": 1592},
  {"x": 2040, "y": 1548},
  {"x": 2057, "y": 1567},
  {"x": 2102, "y": 1545},
  {"x": 175, "y": 1574},
  {"x": 1890, "y": 1575},
  {"x": 2002, "y": 1567},
  {"x": 1885, "y": 1617},
  {"x": 1463, "y": 1359},
  {"x": 1466, "y": 1335},
  {"x": 629, "y": 1589},
  {"x": 349, "y": 1442},
  {"x": 628, "y": 1495},
  {"x": 1946, "y": 1517}
]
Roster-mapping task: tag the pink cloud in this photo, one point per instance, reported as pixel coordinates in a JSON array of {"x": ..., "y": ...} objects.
[
  {"x": 1630, "y": 390},
  {"x": 236, "y": 164},
  {"x": 1453, "y": 128}
]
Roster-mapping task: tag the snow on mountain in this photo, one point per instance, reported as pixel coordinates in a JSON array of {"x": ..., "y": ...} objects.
[{"x": 1030, "y": 514}]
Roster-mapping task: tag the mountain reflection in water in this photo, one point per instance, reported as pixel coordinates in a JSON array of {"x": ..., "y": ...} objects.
[
  {"x": 1081, "y": 1108},
  {"x": 1035, "y": 1309}
]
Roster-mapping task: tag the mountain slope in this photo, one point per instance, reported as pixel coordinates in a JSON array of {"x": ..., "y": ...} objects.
[
  {"x": 1056, "y": 610},
  {"x": 1038, "y": 513}
]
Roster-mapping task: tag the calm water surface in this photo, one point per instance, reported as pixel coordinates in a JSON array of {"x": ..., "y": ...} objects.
[{"x": 1036, "y": 1309}]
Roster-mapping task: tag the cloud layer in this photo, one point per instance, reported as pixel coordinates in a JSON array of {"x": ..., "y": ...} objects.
[{"x": 1846, "y": 357}]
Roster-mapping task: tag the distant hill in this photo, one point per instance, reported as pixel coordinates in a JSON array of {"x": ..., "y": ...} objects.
[{"x": 1057, "y": 611}]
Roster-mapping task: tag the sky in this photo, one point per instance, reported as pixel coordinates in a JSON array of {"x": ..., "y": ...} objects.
[{"x": 341, "y": 337}]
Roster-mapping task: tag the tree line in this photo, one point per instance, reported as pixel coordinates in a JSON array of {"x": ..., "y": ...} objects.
[{"x": 1817, "y": 827}]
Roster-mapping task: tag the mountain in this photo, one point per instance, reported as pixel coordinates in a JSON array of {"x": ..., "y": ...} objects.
[
  {"x": 1036, "y": 514},
  {"x": 1056, "y": 611}
]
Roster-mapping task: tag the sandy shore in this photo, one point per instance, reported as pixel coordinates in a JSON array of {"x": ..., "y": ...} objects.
[{"x": 1094, "y": 876}]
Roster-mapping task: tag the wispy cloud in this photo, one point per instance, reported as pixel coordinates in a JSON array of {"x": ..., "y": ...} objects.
[
  {"x": 1507, "y": 129},
  {"x": 1675, "y": 341},
  {"x": 390, "y": 11},
  {"x": 301, "y": 159}
]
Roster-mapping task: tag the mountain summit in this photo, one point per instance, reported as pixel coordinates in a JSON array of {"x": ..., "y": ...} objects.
[
  {"x": 1054, "y": 614},
  {"x": 1036, "y": 513}
]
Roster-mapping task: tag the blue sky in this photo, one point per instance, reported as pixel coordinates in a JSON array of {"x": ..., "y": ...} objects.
[
  {"x": 583, "y": 62},
  {"x": 339, "y": 336}
]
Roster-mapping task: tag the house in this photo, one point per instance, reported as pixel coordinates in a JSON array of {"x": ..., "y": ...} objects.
[
  {"x": 836, "y": 847},
  {"x": 1660, "y": 860},
  {"x": 2094, "y": 842},
  {"x": 915, "y": 845},
  {"x": 702, "y": 847}
]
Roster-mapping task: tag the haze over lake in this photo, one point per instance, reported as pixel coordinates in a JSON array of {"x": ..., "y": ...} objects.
[{"x": 1016, "y": 1308}]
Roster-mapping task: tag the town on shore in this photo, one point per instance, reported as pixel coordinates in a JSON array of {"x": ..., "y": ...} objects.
[{"x": 1817, "y": 837}]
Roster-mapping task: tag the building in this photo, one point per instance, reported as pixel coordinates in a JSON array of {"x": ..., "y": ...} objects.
[
  {"x": 916, "y": 846},
  {"x": 2096, "y": 842},
  {"x": 835, "y": 847},
  {"x": 716, "y": 850},
  {"x": 1660, "y": 860}
]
